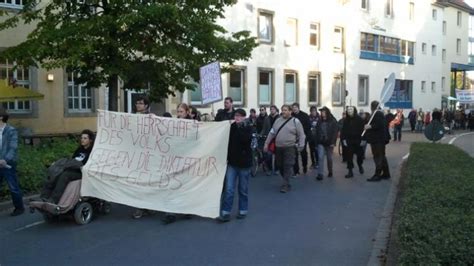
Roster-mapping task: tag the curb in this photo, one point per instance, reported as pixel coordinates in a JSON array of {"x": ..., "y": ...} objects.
[
  {"x": 6, "y": 205},
  {"x": 382, "y": 237}
]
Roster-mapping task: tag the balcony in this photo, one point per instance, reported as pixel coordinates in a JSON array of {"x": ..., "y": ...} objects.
[{"x": 401, "y": 59}]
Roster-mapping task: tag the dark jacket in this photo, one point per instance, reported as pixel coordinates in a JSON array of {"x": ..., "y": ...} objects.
[
  {"x": 239, "y": 153},
  {"x": 304, "y": 119},
  {"x": 222, "y": 115},
  {"x": 268, "y": 124},
  {"x": 378, "y": 132},
  {"x": 326, "y": 130},
  {"x": 260, "y": 121},
  {"x": 412, "y": 116},
  {"x": 81, "y": 154},
  {"x": 352, "y": 129}
]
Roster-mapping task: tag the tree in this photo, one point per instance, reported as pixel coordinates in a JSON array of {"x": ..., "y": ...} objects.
[{"x": 155, "y": 45}]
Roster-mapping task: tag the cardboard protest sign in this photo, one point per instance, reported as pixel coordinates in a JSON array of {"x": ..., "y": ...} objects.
[
  {"x": 211, "y": 83},
  {"x": 158, "y": 163}
]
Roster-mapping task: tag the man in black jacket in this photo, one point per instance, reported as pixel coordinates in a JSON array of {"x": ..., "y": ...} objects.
[
  {"x": 239, "y": 163},
  {"x": 261, "y": 118},
  {"x": 351, "y": 139},
  {"x": 228, "y": 112},
  {"x": 305, "y": 122},
  {"x": 376, "y": 134}
]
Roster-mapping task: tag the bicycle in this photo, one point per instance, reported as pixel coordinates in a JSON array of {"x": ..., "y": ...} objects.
[{"x": 257, "y": 153}]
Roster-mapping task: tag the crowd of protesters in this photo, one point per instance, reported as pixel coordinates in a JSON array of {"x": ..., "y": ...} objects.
[{"x": 288, "y": 133}]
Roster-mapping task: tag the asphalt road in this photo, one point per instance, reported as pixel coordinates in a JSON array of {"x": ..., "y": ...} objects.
[
  {"x": 465, "y": 141},
  {"x": 331, "y": 222}
]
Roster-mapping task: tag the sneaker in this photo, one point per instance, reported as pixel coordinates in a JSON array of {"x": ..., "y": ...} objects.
[
  {"x": 385, "y": 177},
  {"x": 374, "y": 178},
  {"x": 223, "y": 218},
  {"x": 361, "y": 169},
  {"x": 137, "y": 214},
  {"x": 241, "y": 216},
  {"x": 319, "y": 177},
  {"x": 169, "y": 219},
  {"x": 17, "y": 212},
  {"x": 284, "y": 189},
  {"x": 330, "y": 174}
]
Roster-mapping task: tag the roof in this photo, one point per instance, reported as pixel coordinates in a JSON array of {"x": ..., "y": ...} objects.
[{"x": 459, "y": 4}]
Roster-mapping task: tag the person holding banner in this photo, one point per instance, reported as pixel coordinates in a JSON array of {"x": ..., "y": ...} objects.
[
  {"x": 377, "y": 137},
  {"x": 239, "y": 163},
  {"x": 289, "y": 139},
  {"x": 228, "y": 112},
  {"x": 182, "y": 112},
  {"x": 142, "y": 106}
]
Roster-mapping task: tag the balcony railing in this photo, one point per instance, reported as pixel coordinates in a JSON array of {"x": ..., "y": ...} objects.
[{"x": 387, "y": 57}]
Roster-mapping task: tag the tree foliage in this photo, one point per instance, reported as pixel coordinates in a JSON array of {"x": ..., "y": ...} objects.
[{"x": 155, "y": 45}]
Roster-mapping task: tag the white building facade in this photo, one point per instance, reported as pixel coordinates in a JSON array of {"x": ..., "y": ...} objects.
[{"x": 316, "y": 52}]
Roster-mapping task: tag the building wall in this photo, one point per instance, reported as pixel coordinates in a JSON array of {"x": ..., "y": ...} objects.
[
  {"x": 422, "y": 28},
  {"x": 51, "y": 116}
]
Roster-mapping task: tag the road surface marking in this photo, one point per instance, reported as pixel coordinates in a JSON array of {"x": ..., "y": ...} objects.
[
  {"x": 406, "y": 156},
  {"x": 464, "y": 134},
  {"x": 28, "y": 226}
]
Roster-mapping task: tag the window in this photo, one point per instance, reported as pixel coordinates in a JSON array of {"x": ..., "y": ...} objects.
[
  {"x": 265, "y": 87},
  {"x": 423, "y": 48},
  {"x": 368, "y": 42},
  {"x": 337, "y": 95},
  {"x": 196, "y": 94},
  {"x": 364, "y": 4},
  {"x": 389, "y": 45},
  {"x": 265, "y": 27},
  {"x": 411, "y": 11},
  {"x": 433, "y": 50},
  {"x": 338, "y": 39},
  {"x": 17, "y": 77},
  {"x": 79, "y": 97},
  {"x": 290, "y": 88},
  {"x": 443, "y": 55},
  {"x": 291, "y": 38},
  {"x": 433, "y": 86},
  {"x": 383, "y": 48},
  {"x": 363, "y": 90},
  {"x": 434, "y": 14},
  {"x": 423, "y": 86},
  {"x": 443, "y": 83},
  {"x": 314, "y": 34},
  {"x": 407, "y": 48},
  {"x": 389, "y": 8},
  {"x": 16, "y": 4},
  {"x": 458, "y": 46},
  {"x": 402, "y": 95},
  {"x": 444, "y": 27},
  {"x": 459, "y": 19},
  {"x": 314, "y": 88},
  {"x": 236, "y": 86}
]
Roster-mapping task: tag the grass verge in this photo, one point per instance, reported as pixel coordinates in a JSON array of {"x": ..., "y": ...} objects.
[{"x": 435, "y": 219}]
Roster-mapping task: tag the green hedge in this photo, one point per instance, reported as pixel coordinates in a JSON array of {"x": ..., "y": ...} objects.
[
  {"x": 436, "y": 225},
  {"x": 33, "y": 161}
]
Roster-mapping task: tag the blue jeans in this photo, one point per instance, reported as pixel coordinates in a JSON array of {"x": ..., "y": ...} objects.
[
  {"x": 231, "y": 176},
  {"x": 13, "y": 186},
  {"x": 324, "y": 150},
  {"x": 397, "y": 133}
]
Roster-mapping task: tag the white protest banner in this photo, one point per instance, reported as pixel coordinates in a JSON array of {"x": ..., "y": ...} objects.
[
  {"x": 158, "y": 163},
  {"x": 211, "y": 83},
  {"x": 465, "y": 96}
]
